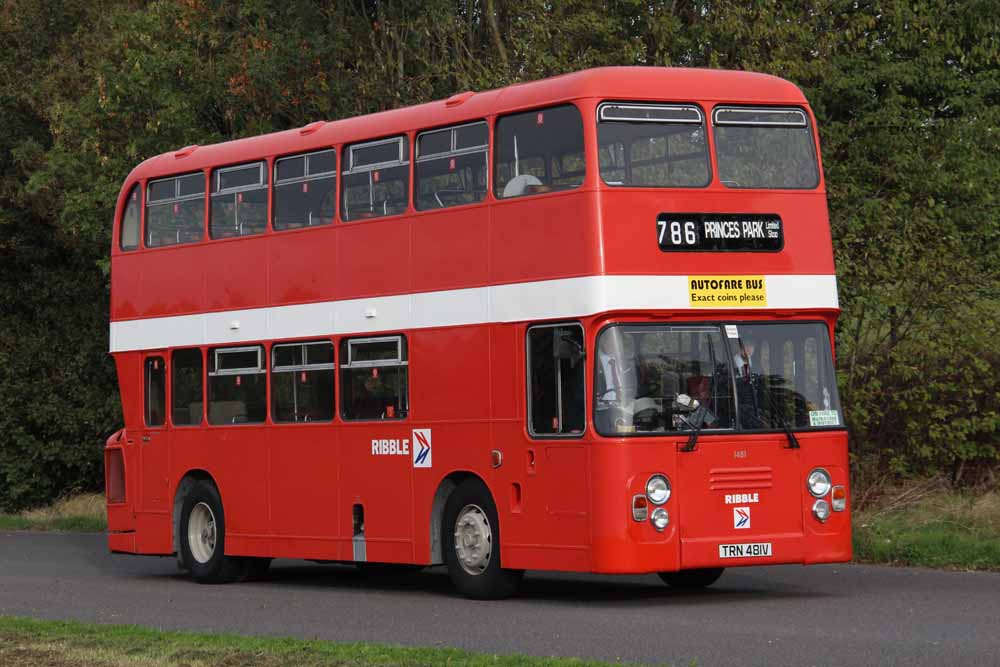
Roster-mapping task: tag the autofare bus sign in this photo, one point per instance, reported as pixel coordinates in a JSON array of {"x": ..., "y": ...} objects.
[
  {"x": 727, "y": 291},
  {"x": 719, "y": 232}
]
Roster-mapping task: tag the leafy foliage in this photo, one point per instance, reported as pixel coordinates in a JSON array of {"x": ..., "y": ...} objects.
[{"x": 906, "y": 93}]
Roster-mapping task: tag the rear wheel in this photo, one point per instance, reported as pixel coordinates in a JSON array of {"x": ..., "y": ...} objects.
[
  {"x": 691, "y": 580},
  {"x": 471, "y": 539},
  {"x": 203, "y": 538}
]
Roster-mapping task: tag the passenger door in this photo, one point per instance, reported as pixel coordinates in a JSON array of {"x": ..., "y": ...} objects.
[{"x": 556, "y": 459}]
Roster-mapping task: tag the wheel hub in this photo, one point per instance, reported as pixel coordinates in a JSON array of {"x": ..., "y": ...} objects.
[
  {"x": 201, "y": 533},
  {"x": 473, "y": 539}
]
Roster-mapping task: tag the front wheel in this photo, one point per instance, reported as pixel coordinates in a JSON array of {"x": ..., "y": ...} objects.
[
  {"x": 203, "y": 537},
  {"x": 691, "y": 580},
  {"x": 471, "y": 539}
]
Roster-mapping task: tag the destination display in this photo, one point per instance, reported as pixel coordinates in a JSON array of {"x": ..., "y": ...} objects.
[{"x": 719, "y": 232}]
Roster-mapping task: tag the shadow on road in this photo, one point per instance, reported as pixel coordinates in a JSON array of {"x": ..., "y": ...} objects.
[{"x": 606, "y": 591}]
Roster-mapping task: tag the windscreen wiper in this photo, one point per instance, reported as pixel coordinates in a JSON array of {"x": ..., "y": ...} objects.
[
  {"x": 793, "y": 442},
  {"x": 700, "y": 413}
]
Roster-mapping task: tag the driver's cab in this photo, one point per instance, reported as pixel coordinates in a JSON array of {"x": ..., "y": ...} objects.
[{"x": 657, "y": 379}]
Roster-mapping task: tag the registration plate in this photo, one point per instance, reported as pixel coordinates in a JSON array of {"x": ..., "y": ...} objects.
[{"x": 745, "y": 550}]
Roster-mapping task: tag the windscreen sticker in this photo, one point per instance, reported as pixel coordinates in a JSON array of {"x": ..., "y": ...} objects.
[
  {"x": 824, "y": 418},
  {"x": 727, "y": 292},
  {"x": 732, "y": 331}
]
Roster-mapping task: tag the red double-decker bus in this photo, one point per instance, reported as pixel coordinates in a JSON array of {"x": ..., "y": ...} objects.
[{"x": 579, "y": 324}]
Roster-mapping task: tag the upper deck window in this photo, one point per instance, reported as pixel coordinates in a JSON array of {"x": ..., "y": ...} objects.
[
  {"x": 128, "y": 235},
  {"x": 765, "y": 147},
  {"x": 652, "y": 145},
  {"x": 451, "y": 166},
  {"x": 376, "y": 182},
  {"x": 239, "y": 200},
  {"x": 539, "y": 151},
  {"x": 175, "y": 210},
  {"x": 305, "y": 190}
]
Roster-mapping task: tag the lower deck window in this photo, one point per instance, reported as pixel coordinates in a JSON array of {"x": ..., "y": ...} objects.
[
  {"x": 237, "y": 387},
  {"x": 186, "y": 387},
  {"x": 374, "y": 378},
  {"x": 302, "y": 382}
]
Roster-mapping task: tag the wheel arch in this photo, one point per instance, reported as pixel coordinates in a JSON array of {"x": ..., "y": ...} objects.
[
  {"x": 190, "y": 478},
  {"x": 445, "y": 488}
]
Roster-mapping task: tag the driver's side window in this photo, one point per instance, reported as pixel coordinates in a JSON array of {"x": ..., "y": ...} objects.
[{"x": 556, "y": 379}]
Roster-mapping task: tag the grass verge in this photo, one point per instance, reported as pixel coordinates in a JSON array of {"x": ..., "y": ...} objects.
[
  {"x": 70, "y": 644},
  {"x": 84, "y": 513},
  {"x": 930, "y": 525}
]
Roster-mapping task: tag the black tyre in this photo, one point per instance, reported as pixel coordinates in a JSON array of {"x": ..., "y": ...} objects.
[
  {"x": 203, "y": 538},
  {"x": 471, "y": 542},
  {"x": 692, "y": 580}
]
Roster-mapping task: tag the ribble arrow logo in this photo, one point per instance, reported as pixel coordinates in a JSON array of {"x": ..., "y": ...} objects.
[
  {"x": 421, "y": 448},
  {"x": 741, "y": 517}
]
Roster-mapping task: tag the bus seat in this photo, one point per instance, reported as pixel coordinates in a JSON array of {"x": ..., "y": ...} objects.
[
  {"x": 227, "y": 412},
  {"x": 518, "y": 185}
]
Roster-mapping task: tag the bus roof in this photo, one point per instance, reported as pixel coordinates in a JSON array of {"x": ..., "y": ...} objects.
[{"x": 623, "y": 83}]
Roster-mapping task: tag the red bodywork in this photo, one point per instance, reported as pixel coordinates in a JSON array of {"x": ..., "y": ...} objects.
[{"x": 288, "y": 489}]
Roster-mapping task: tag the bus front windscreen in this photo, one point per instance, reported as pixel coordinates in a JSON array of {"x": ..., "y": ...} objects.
[
  {"x": 657, "y": 379},
  {"x": 765, "y": 148}
]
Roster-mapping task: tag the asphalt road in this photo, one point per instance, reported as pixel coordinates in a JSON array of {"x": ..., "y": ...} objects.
[{"x": 821, "y": 615}]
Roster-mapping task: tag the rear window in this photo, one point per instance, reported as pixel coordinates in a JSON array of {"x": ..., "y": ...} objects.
[
  {"x": 128, "y": 238},
  {"x": 765, "y": 147}
]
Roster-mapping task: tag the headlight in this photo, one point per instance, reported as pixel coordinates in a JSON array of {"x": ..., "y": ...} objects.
[
  {"x": 818, "y": 482},
  {"x": 660, "y": 518},
  {"x": 821, "y": 510},
  {"x": 658, "y": 489}
]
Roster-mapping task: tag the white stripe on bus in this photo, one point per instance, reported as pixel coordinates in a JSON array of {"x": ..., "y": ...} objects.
[{"x": 517, "y": 302}]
